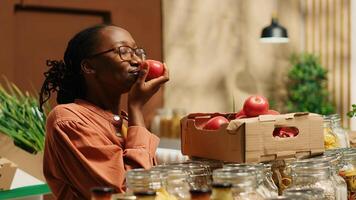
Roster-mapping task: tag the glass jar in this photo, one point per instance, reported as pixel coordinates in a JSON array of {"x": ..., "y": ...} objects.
[
  {"x": 222, "y": 191},
  {"x": 339, "y": 131},
  {"x": 244, "y": 184},
  {"x": 330, "y": 139},
  {"x": 199, "y": 175},
  {"x": 177, "y": 184},
  {"x": 311, "y": 174},
  {"x": 138, "y": 180},
  {"x": 306, "y": 193},
  {"x": 334, "y": 159},
  {"x": 348, "y": 172},
  {"x": 266, "y": 187},
  {"x": 101, "y": 193}
]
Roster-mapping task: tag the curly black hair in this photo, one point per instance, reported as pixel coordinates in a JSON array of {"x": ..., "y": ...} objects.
[{"x": 64, "y": 76}]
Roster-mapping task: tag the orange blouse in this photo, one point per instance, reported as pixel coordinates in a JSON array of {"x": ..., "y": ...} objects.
[{"x": 83, "y": 150}]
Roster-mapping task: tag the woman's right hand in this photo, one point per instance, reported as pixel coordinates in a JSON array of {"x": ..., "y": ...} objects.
[{"x": 143, "y": 90}]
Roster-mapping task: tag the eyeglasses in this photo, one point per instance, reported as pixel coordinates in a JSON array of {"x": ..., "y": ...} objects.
[{"x": 126, "y": 53}]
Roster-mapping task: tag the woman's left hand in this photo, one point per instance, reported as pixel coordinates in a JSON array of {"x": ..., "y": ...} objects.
[{"x": 143, "y": 90}]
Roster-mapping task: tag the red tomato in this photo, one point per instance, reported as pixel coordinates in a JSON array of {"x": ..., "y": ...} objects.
[
  {"x": 256, "y": 105},
  {"x": 155, "y": 69},
  {"x": 272, "y": 112},
  {"x": 215, "y": 123}
]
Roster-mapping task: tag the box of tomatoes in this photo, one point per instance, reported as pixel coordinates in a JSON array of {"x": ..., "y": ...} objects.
[
  {"x": 254, "y": 134},
  {"x": 255, "y": 139}
]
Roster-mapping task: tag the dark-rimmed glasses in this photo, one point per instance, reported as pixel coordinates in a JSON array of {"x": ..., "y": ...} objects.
[{"x": 125, "y": 52}]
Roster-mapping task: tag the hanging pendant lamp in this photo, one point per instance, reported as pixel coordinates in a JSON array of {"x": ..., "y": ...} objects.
[{"x": 274, "y": 33}]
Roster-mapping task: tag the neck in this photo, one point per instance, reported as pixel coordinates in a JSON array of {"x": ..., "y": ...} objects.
[{"x": 106, "y": 101}]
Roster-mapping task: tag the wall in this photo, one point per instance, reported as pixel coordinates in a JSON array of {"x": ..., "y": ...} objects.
[
  {"x": 213, "y": 51},
  {"x": 328, "y": 35}
]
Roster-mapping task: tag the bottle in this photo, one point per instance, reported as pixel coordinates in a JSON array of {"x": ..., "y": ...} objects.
[
  {"x": 145, "y": 195},
  {"x": 200, "y": 194},
  {"x": 166, "y": 123},
  {"x": 155, "y": 124},
  {"x": 101, "y": 193},
  {"x": 222, "y": 191},
  {"x": 178, "y": 114}
]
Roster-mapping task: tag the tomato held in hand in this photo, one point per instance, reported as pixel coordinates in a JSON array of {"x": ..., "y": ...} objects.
[
  {"x": 256, "y": 105},
  {"x": 215, "y": 123},
  {"x": 155, "y": 69}
]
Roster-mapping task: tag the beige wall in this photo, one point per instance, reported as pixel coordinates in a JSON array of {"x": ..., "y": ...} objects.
[{"x": 213, "y": 51}]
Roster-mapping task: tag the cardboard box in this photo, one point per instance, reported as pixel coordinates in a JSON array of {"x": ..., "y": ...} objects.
[
  {"x": 7, "y": 173},
  {"x": 30, "y": 163},
  {"x": 251, "y": 139}
]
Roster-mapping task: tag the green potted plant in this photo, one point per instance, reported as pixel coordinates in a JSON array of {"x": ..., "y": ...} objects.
[
  {"x": 21, "y": 119},
  {"x": 307, "y": 89}
]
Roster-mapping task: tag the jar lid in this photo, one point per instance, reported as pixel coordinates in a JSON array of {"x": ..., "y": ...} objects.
[
  {"x": 124, "y": 197},
  {"x": 200, "y": 191},
  {"x": 102, "y": 190},
  {"x": 221, "y": 185},
  {"x": 145, "y": 193}
]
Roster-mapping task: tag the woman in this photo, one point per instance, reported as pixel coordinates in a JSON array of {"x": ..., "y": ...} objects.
[{"x": 86, "y": 144}]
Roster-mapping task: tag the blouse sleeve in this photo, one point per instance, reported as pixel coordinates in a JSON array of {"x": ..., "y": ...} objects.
[{"x": 89, "y": 159}]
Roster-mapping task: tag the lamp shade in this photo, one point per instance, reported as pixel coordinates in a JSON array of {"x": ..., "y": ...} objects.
[{"x": 274, "y": 33}]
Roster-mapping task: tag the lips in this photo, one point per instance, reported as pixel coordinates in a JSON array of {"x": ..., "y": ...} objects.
[{"x": 134, "y": 72}]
